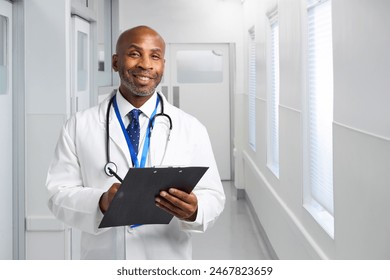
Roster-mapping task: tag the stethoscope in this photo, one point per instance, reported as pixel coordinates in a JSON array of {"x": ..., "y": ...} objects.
[{"x": 111, "y": 168}]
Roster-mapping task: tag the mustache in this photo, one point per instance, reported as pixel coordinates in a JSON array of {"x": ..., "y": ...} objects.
[{"x": 145, "y": 73}]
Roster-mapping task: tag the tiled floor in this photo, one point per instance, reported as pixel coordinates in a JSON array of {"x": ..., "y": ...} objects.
[{"x": 234, "y": 236}]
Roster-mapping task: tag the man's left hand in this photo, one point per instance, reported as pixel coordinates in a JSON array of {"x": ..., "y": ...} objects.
[{"x": 178, "y": 203}]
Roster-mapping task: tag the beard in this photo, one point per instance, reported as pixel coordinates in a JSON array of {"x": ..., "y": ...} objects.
[{"x": 130, "y": 85}]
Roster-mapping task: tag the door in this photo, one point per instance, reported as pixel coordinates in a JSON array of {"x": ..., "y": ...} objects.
[
  {"x": 197, "y": 81},
  {"x": 6, "y": 147}
]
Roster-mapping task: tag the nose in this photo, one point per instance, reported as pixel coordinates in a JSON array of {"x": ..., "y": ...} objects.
[{"x": 145, "y": 62}]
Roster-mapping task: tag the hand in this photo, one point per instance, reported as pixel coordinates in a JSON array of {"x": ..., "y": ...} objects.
[
  {"x": 106, "y": 198},
  {"x": 178, "y": 203}
]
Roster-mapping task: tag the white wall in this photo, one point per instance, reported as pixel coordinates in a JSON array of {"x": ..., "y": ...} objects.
[
  {"x": 362, "y": 128},
  {"x": 201, "y": 21},
  {"x": 361, "y": 135}
]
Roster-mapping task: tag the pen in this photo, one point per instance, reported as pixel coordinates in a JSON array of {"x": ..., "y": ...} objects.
[{"x": 115, "y": 175}]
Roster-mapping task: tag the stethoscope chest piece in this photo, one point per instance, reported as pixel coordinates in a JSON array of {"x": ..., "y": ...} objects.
[{"x": 109, "y": 167}]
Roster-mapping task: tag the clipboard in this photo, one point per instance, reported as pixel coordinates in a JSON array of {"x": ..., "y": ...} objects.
[{"x": 134, "y": 203}]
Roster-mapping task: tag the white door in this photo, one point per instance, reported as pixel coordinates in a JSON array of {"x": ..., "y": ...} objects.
[
  {"x": 6, "y": 182},
  {"x": 197, "y": 81},
  {"x": 80, "y": 64}
]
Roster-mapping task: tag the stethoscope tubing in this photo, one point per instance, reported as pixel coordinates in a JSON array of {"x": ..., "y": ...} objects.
[{"x": 110, "y": 167}]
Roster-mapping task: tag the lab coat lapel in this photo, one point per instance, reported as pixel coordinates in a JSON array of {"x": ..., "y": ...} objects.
[{"x": 117, "y": 139}]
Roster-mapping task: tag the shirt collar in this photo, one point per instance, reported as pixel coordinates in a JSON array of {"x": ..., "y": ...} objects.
[{"x": 125, "y": 106}]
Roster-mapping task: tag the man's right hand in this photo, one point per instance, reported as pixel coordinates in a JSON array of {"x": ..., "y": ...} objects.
[{"x": 107, "y": 197}]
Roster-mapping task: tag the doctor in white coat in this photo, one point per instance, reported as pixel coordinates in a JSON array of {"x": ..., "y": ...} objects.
[{"x": 79, "y": 189}]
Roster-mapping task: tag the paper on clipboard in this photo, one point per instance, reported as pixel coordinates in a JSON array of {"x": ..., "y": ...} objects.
[{"x": 134, "y": 203}]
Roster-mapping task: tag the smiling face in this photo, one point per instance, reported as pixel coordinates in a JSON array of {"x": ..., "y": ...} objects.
[{"x": 139, "y": 60}]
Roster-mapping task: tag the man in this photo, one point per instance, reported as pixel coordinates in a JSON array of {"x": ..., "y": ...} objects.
[{"x": 79, "y": 189}]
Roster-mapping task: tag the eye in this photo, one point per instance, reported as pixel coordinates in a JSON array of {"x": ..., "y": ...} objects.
[
  {"x": 156, "y": 56},
  {"x": 134, "y": 54}
]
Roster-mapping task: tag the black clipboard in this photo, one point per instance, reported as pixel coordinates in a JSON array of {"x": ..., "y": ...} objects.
[{"x": 134, "y": 203}]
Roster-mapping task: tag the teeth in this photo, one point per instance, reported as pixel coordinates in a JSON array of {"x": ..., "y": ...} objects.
[{"x": 143, "y": 78}]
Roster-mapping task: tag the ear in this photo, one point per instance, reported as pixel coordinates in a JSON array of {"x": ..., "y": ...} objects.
[{"x": 115, "y": 62}]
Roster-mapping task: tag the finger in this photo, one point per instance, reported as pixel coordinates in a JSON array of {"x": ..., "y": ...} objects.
[
  {"x": 180, "y": 199},
  {"x": 189, "y": 198},
  {"x": 176, "y": 206},
  {"x": 177, "y": 212},
  {"x": 170, "y": 208}
]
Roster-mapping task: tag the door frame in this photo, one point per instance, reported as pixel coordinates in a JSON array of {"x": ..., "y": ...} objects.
[
  {"x": 6, "y": 99},
  {"x": 18, "y": 83},
  {"x": 232, "y": 86}
]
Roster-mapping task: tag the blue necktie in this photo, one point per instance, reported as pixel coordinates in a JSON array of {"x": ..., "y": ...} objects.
[{"x": 133, "y": 128}]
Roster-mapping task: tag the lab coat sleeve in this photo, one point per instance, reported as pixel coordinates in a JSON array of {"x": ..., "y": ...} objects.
[
  {"x": 69, "y": 200},
  {"x": 209, "y": 190}
]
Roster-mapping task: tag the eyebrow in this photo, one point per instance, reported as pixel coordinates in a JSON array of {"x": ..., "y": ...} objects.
[{"x": 135, "y": 46}]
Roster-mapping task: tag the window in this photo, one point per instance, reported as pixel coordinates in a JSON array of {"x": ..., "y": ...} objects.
[
  {"x": 3, "y": 55},
  {"x": 82, "y": 60},
  {"x": 252, "y": 88},
  {"x": 273, "y": 95},
  {"x": 199, "y": 66},
  {"x": 81, "y": 65},
  {"x": 318, "y": 199}
]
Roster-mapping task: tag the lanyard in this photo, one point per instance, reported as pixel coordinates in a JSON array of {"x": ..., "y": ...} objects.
[{"x": 145, "y": 149}]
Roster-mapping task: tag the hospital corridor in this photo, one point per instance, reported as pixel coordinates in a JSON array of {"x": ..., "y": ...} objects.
[{"x": 286, "y": 104}]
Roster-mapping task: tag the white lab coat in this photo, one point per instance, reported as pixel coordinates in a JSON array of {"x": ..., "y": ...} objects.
[{"x": 76, "y": 180}]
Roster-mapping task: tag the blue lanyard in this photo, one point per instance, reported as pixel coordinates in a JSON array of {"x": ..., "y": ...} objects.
[{"x": 147, "y": 138}]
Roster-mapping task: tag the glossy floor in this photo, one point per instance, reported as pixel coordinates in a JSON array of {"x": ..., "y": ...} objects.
[{"x": 234, "y": 236}]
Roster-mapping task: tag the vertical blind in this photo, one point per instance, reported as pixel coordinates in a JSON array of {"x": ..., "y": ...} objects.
[
  {"x": 273, "y": 100},
  {"x": 320, "y": 102},
  {"x": 252, "y": 89}
]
